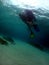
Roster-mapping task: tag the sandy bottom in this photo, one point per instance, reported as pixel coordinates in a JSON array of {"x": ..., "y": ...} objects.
[{"x": 22, "y": 54}]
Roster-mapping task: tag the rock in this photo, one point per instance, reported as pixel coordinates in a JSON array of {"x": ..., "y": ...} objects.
[{"x": 3, "y": 42}]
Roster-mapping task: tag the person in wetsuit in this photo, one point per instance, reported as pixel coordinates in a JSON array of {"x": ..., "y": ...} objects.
[{"x": 28, "y": 18}]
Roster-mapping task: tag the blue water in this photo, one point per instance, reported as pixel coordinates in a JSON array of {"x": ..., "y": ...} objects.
[
  {"x": 24, "y": 50},
  {"x": 12, "y": 25}
]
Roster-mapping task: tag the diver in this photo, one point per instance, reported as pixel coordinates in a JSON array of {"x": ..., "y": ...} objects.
[{"x": 29, "y": 19}]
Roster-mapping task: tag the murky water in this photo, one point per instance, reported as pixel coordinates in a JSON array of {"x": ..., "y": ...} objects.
[{"x": 24, "y": 50}]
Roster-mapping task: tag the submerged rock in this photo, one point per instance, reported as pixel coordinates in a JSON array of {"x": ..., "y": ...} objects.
[
  {"x": 3, "y": 42},
  {"x": 9, "y": 39}
]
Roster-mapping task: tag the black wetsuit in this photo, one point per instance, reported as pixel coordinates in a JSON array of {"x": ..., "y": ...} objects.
[{"x": 28, "y": 17}]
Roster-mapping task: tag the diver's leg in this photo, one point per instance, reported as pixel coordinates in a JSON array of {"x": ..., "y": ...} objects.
[
  {"x": 31, "y": 33},
  {"x": 36, "y": 27},
  {"x": 29, "y": 28}
]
